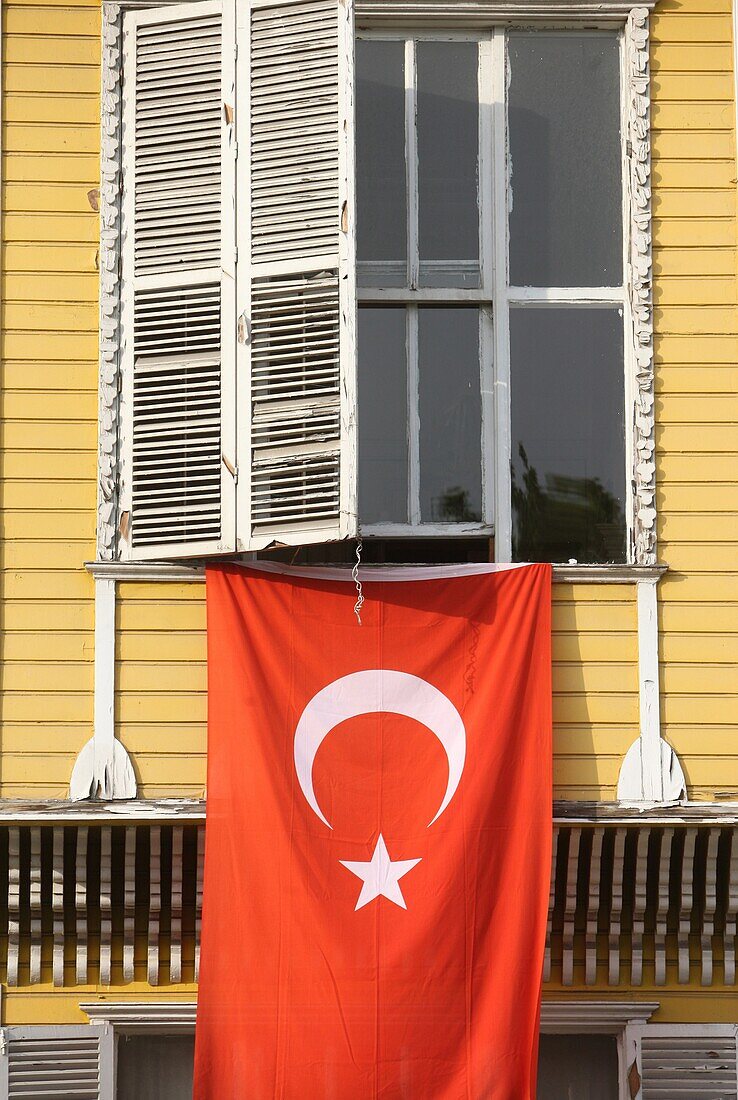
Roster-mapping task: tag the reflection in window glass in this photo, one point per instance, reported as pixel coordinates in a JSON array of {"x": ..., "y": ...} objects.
[
  {"x": 568, "y": 434},
  {"x": 155, "y": 1067},
  {"x": 565, "y": 153},
  {"x": 578, "y": 1067},
  {"x": 380, "y": 162},
  {"x": 450, "y": 416},
  {"x": 448, "y": 129},
  {"x": 382, "y": 416}
]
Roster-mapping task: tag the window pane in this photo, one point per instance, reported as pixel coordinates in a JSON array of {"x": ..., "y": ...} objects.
[
  {"x": 155, "y": 1067},
  {"x": 448, "y": 129},
  {"x": 568, "y": 434},
  {"x": 565, "y": 153},
  {"x": 382, "y": 416},
  {"x": 578, "y": 1067},
  {"x": 380, "y": 162},
  {"x": 450, "y": 416}
]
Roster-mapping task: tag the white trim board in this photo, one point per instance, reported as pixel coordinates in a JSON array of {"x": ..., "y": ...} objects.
[
  {"x": 464, "y": 13},
  {"x": 146, "y": 1016},
  {"x": 557, "y": 1017},
  {"x": 602, "y": 1017},
  {"x": 151, "y": 572}
]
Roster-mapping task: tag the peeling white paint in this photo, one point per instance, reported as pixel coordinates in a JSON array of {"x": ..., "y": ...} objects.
[{"x": 638, "y": 145}]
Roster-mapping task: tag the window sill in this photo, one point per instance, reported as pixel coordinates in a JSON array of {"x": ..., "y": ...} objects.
[{"x": 145, "y": 572}]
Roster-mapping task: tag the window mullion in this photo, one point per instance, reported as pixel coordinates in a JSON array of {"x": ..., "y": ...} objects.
[
  {"x": 411, "y": 161},
  {"x": 502, "y": 493},
  {"x": 413, "y": 415},
  {"x": 486, "y": 272}
]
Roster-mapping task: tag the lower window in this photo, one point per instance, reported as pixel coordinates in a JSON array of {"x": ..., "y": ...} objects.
[
  {"x": 155, "y": 1067},
  {"x": 578, "y": 1067},
  {"x": 570, "y": 1067}
]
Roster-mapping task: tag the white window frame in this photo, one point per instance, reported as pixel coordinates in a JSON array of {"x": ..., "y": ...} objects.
[
  {"x": 122, "y": 1018},
  {"x": 495, "y": 296},
  {"x": 487, "y": 20}
]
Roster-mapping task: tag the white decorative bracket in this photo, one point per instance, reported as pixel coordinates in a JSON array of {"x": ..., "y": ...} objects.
[
  {"x": 650, "y": 772},
  {"x": 103, "y": 769},
  {"x": 640, "y": 271}
]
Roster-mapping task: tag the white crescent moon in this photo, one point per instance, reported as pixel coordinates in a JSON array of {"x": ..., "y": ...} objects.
[{"x": 372, "y": 692}]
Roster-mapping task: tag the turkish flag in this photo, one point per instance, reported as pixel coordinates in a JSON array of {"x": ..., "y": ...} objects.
[{"x": 378, "y": 834}]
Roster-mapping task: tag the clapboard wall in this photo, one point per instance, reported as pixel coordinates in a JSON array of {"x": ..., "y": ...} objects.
[{"x": 48, "y": 432}]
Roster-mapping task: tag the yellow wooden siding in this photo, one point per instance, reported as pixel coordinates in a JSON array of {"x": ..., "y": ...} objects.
[
  {"x": 595, "y": 685},
  {"x": 694, "y": 173},
  {"x": 49, "y": 344},
  {"x": 161, "y": 687},
  {"x": 48, "y": 400}
]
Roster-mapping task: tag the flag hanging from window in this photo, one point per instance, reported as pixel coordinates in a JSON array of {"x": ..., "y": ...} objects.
[{"x": 378, "y": 834}]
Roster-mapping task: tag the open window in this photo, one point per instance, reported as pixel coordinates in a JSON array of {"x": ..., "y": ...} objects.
[{"x": 375, "y": 285}]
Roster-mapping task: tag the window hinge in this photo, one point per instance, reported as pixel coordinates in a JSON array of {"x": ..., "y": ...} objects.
[
  {"x": 232, "y": 470},
  {"x": 235, "y": 255},
  {"x": 235, "y": 150},
  {"x": 629, "y": 148}
]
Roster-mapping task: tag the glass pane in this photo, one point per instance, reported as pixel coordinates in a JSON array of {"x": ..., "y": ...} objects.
[
  {"x": 382, "y": 416},
  {"x": 155, "y": 1067},
  {"x": 448, "y": 140},
  {"x": 568, "y": 434},
  {"x": 565, "y": 154},
  {"x": 578, "y": 1067},
  {"x": 450, "y": 416},
  {"x": 380, "y": 163}
]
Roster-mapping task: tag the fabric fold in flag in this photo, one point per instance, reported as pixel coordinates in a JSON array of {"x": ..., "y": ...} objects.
[{"x": 378, "y": 842}]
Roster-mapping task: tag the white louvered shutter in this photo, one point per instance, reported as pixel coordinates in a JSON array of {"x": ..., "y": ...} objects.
[
  {"x": 688, "y": 1061},
  {"x": 296, "y": 292},
  {"x": 71, "y": 1063},
  {"x": 178, "y": 318}
]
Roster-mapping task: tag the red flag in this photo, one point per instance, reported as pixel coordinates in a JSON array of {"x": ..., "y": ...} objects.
[{"x": 378, "y": 834}]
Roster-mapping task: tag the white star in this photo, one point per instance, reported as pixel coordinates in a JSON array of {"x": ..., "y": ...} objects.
[{"x": 381, "y": 875}]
